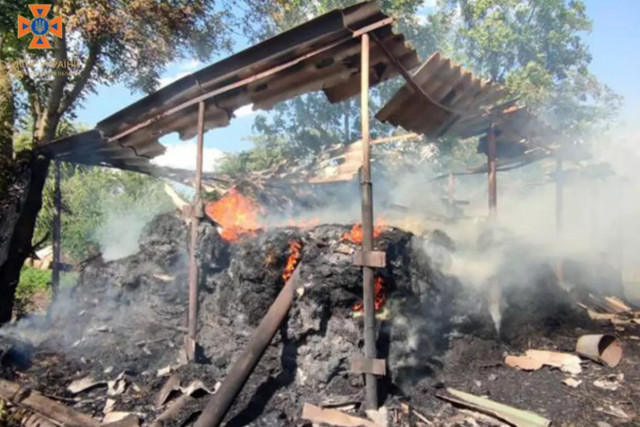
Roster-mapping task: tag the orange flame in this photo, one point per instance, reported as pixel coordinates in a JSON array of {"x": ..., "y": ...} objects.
[
  {"x": 236, "y": 214},
  {"x": 292, "y": 261},
  {"x": 356, "y": 233},
  {"x": 379, "y": 296}
]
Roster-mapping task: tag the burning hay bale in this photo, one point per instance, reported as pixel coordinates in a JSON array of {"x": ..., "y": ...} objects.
[{"x": 125, "y": 320}]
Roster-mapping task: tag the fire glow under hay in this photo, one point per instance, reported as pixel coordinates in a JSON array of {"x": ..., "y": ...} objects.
[
  {"x": 380, "y": 296},
  {"x": 356, "y": 233},
  {"x": 236, "y": 214},
  {"x": 292, "y": 261}
]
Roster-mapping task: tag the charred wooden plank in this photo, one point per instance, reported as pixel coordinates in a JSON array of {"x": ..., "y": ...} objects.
[{"x": 50, "y": 409}]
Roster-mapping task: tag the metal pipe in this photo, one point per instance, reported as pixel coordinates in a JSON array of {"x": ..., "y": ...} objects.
[
  {"x": 492, "y": 168},
  {"x": 371, "y": 390},
  {"x": 56, "y": 226},
  {"x": 221, "y": 402},
  {"x": 193, "y": 245}
]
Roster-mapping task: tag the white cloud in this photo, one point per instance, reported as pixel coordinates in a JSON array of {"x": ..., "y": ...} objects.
[
  {"x": 191, "y": 65},
  {"x": 186, "y": 67},
  {"x": 183, "y": 156},
  {"x": 429, "y": 3},
  {"x": 164, "y": 81},
  {"x": 247, "y": 110}
]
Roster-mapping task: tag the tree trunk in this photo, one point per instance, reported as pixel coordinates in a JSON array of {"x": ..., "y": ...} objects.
[
  {"x": 31, "y": 175},
  {"x": 7, "y": 118}
]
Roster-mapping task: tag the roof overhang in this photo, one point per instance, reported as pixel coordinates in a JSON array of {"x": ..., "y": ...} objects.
[{"x": 322, "y": 54}]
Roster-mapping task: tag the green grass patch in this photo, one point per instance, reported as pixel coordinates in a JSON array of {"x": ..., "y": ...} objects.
[{"x": 32, "y": 282}]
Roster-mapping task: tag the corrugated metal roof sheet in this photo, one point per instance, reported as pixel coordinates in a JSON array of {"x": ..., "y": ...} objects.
[
  {"x": 463, "y": 105},
  {"x": 453, "y": 91},
  {"x": 322, "y": 54}
]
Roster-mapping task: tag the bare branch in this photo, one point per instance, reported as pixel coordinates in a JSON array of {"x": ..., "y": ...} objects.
[
  {"x": 32, "y": 94},
  {"x": 60, "y": 79},
  {"x": 82, "y": 79}
]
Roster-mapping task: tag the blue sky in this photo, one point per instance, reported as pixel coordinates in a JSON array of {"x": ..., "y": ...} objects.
[{"x": 614, "y": 43}]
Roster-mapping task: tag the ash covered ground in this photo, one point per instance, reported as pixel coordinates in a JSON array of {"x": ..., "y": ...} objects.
[{"x": 128, "y": 316}]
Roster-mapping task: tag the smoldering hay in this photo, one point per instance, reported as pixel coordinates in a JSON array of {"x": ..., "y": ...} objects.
[{"x": 127, "y": 316}]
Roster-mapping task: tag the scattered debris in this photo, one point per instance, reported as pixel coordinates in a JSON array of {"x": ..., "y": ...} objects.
[
  {"x": 614, "y": 411},
  {"x": 379, "y": 416},
  {"x": 108, "y": 406},
  {"x": 333, "y": 417},
  {"x": 516, "y": 417},
  {"x": 617, "y": 305},
  {"x": 616, "y": 311},
  {"x": 171, "y": 385},
  {"x": 605, "y": 349},
  {"x": 611, "y": 382},
  {"x": 344, "y": 249},
  {"x": 535, "y": 359},
  {"x": 164, "y": 371},
  {"x": 172, "y": 410},
  {"x": 50, "y": 409},
  {"x": 121, "y": 419},
  {"x": 524, "y": 363},
  {"x": 198, "y": 385},
  {"x": 571, "y": 382},
  {"x": 484, "y": 418},
  {"x": 84, "y": 384},
  {"x": 340, "y": 402},
  {"x": 163, "y": 277},
  {"x": 117, "y": 386}
]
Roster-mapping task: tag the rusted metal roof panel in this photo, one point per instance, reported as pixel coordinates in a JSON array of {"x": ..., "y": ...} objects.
[
  {"x": 322, "y": 54},
  {"x": 454, "y": 93}
]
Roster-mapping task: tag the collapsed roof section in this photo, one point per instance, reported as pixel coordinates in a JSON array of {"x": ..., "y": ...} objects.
[
  {"x": 322, "y": 54},
  {"x": 452, "y": 94},
  {"x": 455, "y": 102}
]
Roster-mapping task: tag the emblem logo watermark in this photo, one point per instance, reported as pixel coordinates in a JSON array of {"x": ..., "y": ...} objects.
[{"x": 40, "y": 26}]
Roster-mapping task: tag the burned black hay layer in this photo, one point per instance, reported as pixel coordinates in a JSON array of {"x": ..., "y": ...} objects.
[{"x": 128, "y": 315}]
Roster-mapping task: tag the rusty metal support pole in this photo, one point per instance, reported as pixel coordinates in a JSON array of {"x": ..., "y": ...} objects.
[
  {"x": 492, "y": 168},
  {"x": 56, "y": 228},
  {"x": 221, "y": 402},
  {"x": 559, "y": 214},
  {"x": 371, "y": 390},
  {"x": 196, "y": 214}
]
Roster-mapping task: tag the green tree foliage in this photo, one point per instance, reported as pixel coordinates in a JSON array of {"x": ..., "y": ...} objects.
[
  {"x": 537, "y": 50},
  {"x": 299, "y": 128},
  {"x": 106, "y": 41},
  {"x": 93, "y": 200},
  {"x": 266, "y": 153}
]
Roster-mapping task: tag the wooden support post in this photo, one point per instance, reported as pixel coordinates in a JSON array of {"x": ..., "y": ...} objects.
[
  {"x": 492, "y": 169},
  {"x": 196, "y": 214},
  {"x": 367, "y": 228},
  {"x": 559, "y": 214},
  {"x": 56, "y": 228}
]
